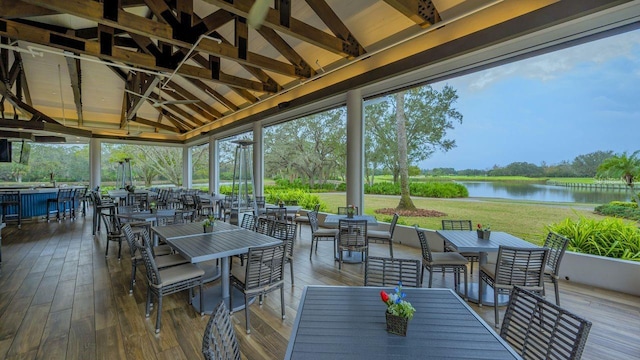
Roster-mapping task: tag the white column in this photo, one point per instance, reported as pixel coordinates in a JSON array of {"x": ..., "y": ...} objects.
[
  {"x": 187, "y": 168},
  {"x": 355, "y": 149},
  {"x": 214, "y": 166},
  {"x": 258, "y": 158},
  {"x": 95, "y": 159}
]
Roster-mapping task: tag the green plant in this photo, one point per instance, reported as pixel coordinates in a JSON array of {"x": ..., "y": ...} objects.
[
  {"x": 609, "y": 237},
  {"x": 209, "y": 221},
  {"x": 485, "y": 227},
  {"x": 395, "y": 303}
]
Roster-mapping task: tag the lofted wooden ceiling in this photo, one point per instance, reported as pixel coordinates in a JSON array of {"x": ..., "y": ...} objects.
[{"x": 173, "y": 70}]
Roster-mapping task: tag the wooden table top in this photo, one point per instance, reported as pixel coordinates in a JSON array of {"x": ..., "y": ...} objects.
[
  {"x": 336, "y": 322},
  {"x": 189, "y": 229},
  {"x": 467, "y": 241}
]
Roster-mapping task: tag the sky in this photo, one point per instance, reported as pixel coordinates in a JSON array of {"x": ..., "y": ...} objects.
[{"x": 548, "y": 109}]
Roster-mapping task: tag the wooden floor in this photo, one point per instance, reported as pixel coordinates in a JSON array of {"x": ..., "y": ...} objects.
[{"x": 60, "y": 298}]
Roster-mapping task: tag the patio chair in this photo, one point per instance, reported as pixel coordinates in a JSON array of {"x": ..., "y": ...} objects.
[
  {"x": 219, "y": 340},
  {"x": 537, "y": 329},
  {"x": 286, "y": 232},
  {"x": 304, "y": 219},
  {"x": 168, "y": 281},
  {"x": 384, "y": 236},
  {"x": 80, "y": 200},
  {"x": 442, "y": 262},
  {"x": 352, "y": 237},
  {"x": 141, "y": 200},
  {"x": 276, "y": 213},
  {"x": 557, "y": 245},
  {"x": 61, "y": 203},
  {"x": 514, "y": 266},
  {"x": 460, "y": 225},
  {"x": 381, "y": 271},
  {"x": 262, "y": 274},
  {"x": 99, "y": 206},
  {"x": 248, "y": 222},
  {"x": 136, "y": 258},
  {"x": 112, "y": 226},
  {"x": 318, "y": 234},
  {"x": 264, "y": 226}
]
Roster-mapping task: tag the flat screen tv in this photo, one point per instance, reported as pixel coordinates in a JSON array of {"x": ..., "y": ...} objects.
[{"x": 5, "y": 150}]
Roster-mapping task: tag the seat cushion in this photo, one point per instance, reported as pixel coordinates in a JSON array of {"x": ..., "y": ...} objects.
[
  {"x": 176, "y": 274},
  {"x": 170, "y": 260},
  {"x": 302, "y": 219},
  {"x": 379, "y": 234},
  {"x": 162, "y": 250},
  {"x": 326, "y": 233},
  {"x": 489, "y": 268},
  {"x": 447, "y": 258}
]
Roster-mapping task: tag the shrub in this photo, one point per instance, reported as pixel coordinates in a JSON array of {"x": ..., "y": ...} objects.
[
  {"x": 302, "y": 197},
  {"x": 609, "y": 237},
  {"x": 426, "y": 189},
  {"x": 620, "y": 210}
]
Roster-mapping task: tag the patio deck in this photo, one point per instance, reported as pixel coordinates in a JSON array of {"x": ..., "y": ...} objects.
[{"x": 60, "y": 298}]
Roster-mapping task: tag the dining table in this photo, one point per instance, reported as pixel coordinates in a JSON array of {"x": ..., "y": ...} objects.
[
  {"x": 223, "y": 244},
  {"x": 346, "y": 322},
  {"x": 468, "y": 241}
]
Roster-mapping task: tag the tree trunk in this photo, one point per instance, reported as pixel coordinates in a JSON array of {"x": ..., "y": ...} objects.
[{"x": 405, "y": 198}]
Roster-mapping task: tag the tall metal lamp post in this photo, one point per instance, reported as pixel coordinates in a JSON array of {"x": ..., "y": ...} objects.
[{"x": 243, "y": 183}]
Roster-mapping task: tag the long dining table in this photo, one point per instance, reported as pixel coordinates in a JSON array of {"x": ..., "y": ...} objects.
[
  {"x": 468, "y": 241},
  {"x": 198, "y": 247},
  {"x": 344, "y": 322}
]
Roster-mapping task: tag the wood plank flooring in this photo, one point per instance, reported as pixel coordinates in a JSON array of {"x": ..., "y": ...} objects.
[{"x": 61, "y": 298}]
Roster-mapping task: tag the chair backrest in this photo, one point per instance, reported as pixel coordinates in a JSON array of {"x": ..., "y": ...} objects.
[
  {"x": 557, "y": 245},
  {"x": 316, "y": 208},
  {"x": 260, "y": 201},
  {"x": 248, "y": 222},
  {"x": 184, "y": 216},
  {"x": 424, "y": 244},
  {"x": 539, "y": 329},
  {"x": 81, "y": 193},
  {"x": 220, "y": 341},
  {"x": 265, "y": 266},
  {"x": 153, "y": 275},
  {"x": 128, "y": 209},
  {"x": 352, "y": 233},
  {"x": 521, "y": 266},
  {"x": 394, "y": 222},
  {"x": 187, "y": 201},
  {"x": 264, "y": 226},
  {"x": 342, "y": 210},
  {"x": 65, "y": 194},
  {"x": 276, "y": 213},
  {"x": 313, "y": 221},
  {"x": 457, "y": 225},
  {"x": 286, "y": 232},
  {"x": 111, "y": 223},
  {"x": 381, "y": 271},
  {"x": 130, "y": 237}
]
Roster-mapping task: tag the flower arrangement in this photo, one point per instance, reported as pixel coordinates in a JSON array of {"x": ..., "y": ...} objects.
[
  {"x": 351, "y": 210},
  {"x": 209, "y": 221},
  {"x": 486, "y": 227},
  {"x": 396, "y": 305}
]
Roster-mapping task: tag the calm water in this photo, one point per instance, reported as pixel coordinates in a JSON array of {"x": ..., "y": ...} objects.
[{"x": 538, "y": 192}]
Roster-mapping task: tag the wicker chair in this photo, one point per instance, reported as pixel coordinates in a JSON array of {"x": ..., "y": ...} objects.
[
  {"x": 168, "y": 281},
  {"x": 318, "y": 234},
  {"x": 384, "y": 236},
  {"x": 460, "y": 225},
  {"x": 264, "y": 226},
  {"x": 262, "y": 274},
  {"x": 286, "y": 232},
  {"x": 352, "y": 236},
  {"x": 381, "y": 271},
  {"x": 220, "y": 341},
  {"x": 302, "y": 219},
  {"x": 442, "y": 262},
  {"x": 557, "y": 245},
  {"x": 248, "y": 222},
  {"x": 514, "y": 266},
  {"x": 538, "y": 329},
  {"x": 161, "y": 261}
]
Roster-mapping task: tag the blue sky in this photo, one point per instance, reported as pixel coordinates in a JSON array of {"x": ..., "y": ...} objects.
[{"x": 550, "y": 108}]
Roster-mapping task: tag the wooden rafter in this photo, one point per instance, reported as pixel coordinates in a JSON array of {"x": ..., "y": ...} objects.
[
  {"x": 337, "y": 27},
  {"x": 93, "y": 11},
  {"x": 187, "y": 95},
  {"x": 422, "y": 12},
  {"x": 16, "y": 102},
  {"x": 144, "y": 87},
  {"x": 295, "y": 28},
  {"x": 75, "y": 75},
  {"x": 156, "y": 124}
]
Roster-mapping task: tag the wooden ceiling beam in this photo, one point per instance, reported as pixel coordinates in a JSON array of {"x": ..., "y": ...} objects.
[
  {"x": 297, "y": 29},
  {"x": 287, "y": 51},
  {"x": 18, "y": 9},
  {"x": 13, "y": 100},
  {"x": 74, "y": 44},
  {"x": 187, "y": 95},
  {"x": 422, "y": 12},
  {"x": 94, "y": 11},
  {"x": 184, "y": 8},
  {"x": 337, "y": 27},
  {"x": 145, "y": 89},
  {"x": 162, "y": 12},
  {"x": 177, "y": 122},
  {"x": 176, "y": 110},
  {"x": 23, "y": 76},
  {"x": 156, "y": 124},
  {"x": 75, "y": 75},
  {"x": 216, "y": 95}
]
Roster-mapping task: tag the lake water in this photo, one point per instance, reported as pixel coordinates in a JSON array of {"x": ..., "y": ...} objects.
[{"x": 539, "y": 192}]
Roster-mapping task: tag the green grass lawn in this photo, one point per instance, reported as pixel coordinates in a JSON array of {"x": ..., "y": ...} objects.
[{"x": 525, "y": 220}]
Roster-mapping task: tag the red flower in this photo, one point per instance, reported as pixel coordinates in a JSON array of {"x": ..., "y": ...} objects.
[
  {"x": 384, "y": 296},
  {"x": 480, "y": 226}
]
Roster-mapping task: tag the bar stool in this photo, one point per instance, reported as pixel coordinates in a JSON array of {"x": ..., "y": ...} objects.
[
  {"x": 61, "y": 202},
  {"x": 11, "y": 201},
  {"x": 98, "y": 206}
]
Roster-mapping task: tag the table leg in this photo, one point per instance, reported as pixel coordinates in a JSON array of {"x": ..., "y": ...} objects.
[{"x": 214, "y": 294}]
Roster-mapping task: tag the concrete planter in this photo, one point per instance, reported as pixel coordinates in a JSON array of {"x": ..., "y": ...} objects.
[{"x": 602, "y": 272}]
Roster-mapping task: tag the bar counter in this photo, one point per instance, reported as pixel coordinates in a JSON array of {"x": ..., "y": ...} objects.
[{"x": 34, "y": 200}]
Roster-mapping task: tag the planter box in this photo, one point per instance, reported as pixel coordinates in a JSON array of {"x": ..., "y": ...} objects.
[{"x": 602, "y": 272}]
